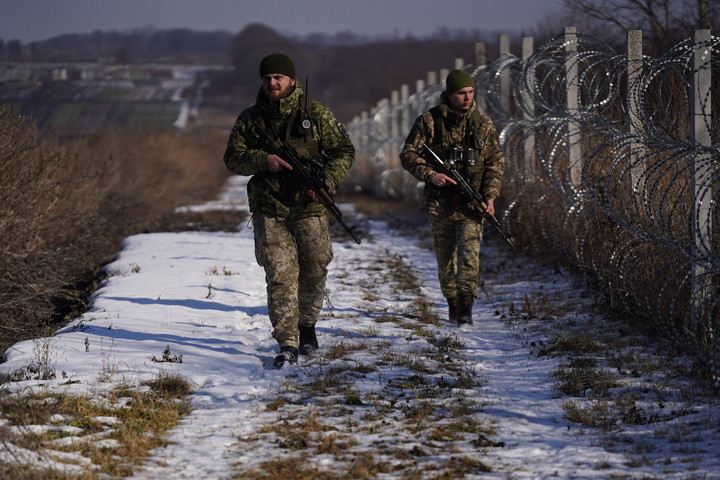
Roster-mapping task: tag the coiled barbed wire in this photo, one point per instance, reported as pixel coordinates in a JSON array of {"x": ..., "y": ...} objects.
[{"x": 614, "y": 177}]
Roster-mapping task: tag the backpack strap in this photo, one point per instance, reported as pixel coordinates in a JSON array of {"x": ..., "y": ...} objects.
[{"x": 440, "y": 135}]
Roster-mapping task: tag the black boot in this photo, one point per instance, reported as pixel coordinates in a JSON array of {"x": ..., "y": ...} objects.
[
  {"x": 287, "y": 354},
  {"x": 465, "y": 305},
  {"x": 452, "y": 309},
  {"x": 308, "y": 340}
]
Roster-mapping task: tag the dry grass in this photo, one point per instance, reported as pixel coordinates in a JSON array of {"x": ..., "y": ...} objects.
[
  {"x": 420, "y": 403},
  {"x": 77, "y": 428},
  {"x": 630, "y": 244},
  {"x": 68, "y": 203},
  {"x": 614, "y": 373}
]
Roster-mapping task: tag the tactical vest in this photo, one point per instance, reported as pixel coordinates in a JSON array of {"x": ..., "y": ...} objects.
[
  {"x": 466, "y": 157},
  {"x": 457, "y": 155},
  {"x": 300, "y": 132}
]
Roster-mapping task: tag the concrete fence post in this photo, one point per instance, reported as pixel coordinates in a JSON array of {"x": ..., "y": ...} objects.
[
  {"x": 405, "y": 112},
  {"x": 572, "y": 94},
  {"x": 444, "y": 72},
  {"x": 365, "y": 132},
  {"x": 528, "y": 112},
  {"x": 701, "y": 117},
  {"x": 635, "y": 65},
  {"x": 480, "y": 54},
  {"x": 394, "y": 104},
  {"x": 505, "y": 74},
  {"x": 480, "y": 89}
]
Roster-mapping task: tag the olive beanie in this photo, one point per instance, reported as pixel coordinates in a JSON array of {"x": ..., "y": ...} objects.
[
  {"x": 456, "y": 80},
  {"x": 277, "y": 63}
]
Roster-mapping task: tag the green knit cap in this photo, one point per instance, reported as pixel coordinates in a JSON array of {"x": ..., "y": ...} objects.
[
  {"x": 456, "y": 80},
  {"x": 277, "y": 63}
]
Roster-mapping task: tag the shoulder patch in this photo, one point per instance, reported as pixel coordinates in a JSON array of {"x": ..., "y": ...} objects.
[{"x": 342, "y": 129}]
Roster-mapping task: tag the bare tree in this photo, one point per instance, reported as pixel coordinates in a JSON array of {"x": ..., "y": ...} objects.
[
  {"x": 702, "y": 14},
  {"x": 664, "y": 22}
]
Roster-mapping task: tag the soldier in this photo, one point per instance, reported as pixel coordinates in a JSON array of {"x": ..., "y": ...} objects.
[
  {"x": 467, "y": 141},
  {"x": 292, "y": 241}
]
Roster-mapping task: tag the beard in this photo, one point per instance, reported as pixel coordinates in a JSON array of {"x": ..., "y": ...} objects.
[{"x": 275, "y": 94}]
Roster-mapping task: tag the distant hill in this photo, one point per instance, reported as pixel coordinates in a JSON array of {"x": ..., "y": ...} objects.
[{"x": 138, "y": 45}]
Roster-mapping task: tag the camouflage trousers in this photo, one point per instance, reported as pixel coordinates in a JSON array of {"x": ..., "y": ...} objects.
[
  {"x": 295, "y": 255},
  {"x": 457, "y": 251}
]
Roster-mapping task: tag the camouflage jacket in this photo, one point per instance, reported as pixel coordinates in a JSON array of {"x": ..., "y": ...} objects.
[
  {"x": 277, "y": 194},
  {"x": 484, "y": 174}
]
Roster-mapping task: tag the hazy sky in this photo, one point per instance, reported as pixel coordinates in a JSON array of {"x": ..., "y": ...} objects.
[{"x": 30, "y": 20}]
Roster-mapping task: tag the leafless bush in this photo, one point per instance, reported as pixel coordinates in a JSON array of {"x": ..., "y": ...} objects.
[{"x": 67, "y": 204}]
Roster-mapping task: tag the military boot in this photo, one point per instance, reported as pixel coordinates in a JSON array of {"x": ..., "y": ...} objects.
[
  {"x": 465, "y": 306},
  {"x": 308, "y": 340},
  {"x": 452, "y": 309},
  {"x": 287, "y": 355}
]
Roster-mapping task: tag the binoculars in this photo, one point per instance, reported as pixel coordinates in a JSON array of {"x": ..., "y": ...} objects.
[{"x": 457, "y": 154}]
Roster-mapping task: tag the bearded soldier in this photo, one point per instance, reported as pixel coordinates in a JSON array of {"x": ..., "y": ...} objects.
[
  {"x": 292, "y": 241},
  {"x": 467, "y": 141}
]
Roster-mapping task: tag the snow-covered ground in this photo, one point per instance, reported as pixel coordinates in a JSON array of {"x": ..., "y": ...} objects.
[{"x": 201, "y": 296}]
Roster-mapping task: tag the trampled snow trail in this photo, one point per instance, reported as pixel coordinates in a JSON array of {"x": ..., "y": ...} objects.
[
  {"x": 201, "y": 297},
  {"x": 226, "y": 347}
]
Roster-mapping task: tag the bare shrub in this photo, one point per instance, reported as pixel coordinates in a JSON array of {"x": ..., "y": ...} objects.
[{"x": 67, "y": 203}]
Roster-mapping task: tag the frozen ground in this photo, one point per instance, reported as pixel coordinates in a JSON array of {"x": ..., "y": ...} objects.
[{"x": 203, "y": 296}]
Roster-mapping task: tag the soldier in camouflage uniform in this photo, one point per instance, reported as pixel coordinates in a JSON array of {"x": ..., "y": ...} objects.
[
  {"x": 468, "y": 141},
  {"x": 292, "y": 242}
]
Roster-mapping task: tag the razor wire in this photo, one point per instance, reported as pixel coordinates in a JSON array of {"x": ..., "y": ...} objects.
[{"x": 609, "y": 176}]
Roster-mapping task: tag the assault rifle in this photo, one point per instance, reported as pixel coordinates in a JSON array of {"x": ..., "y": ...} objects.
[
  {"x": 307, "y": 180},
  {"x": 470, "y": 196}
]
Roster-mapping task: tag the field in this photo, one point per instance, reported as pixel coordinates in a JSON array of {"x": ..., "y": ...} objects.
[{"x": 82, "y": 98}]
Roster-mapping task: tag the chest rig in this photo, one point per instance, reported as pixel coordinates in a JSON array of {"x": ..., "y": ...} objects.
[
  {"x": 296, "y": 131},
  {"x": 458, "y": 153}
]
